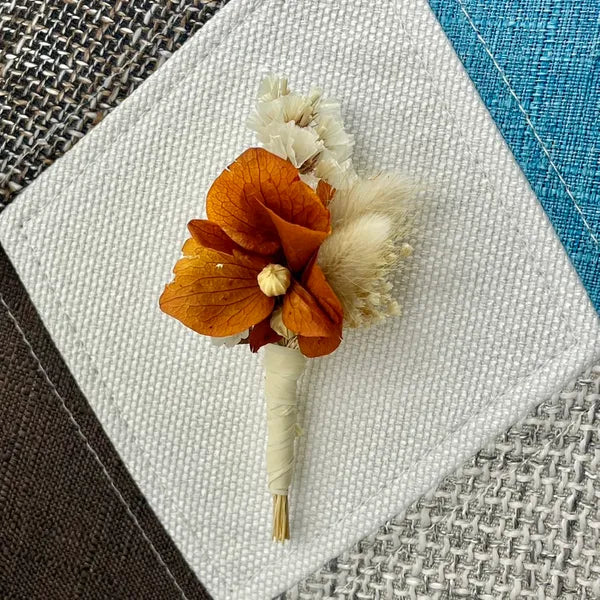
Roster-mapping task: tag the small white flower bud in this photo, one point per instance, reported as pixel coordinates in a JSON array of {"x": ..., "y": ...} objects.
[{"x": 274, "y": 280}]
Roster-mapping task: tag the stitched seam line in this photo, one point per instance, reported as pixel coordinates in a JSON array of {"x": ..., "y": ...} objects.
[
  {"x": 91, "y": 450},
  {"x": 211, "y": 564},
  {"x": 456, "y": 129},
  {"x": 137, "y": 121},
  {"x": 529, "y": 122},
  {"x": 139, "y": 450},
  {"x": 414, "y": 465},
  {"x": 482, "y": 493}
]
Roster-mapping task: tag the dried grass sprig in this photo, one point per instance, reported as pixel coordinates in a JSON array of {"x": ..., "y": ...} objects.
[{"x": 371, "y": 224}]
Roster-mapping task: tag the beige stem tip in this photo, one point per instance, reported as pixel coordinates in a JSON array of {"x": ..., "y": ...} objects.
[{"x": 281, "y": 522}]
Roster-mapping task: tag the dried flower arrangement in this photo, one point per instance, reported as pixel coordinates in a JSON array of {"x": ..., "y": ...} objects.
[{"x": 295, "y": 248}]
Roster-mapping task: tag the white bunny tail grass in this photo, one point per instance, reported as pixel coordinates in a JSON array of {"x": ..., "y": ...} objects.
[
  {"x": 358, "y": 260},
  {"x": 388, "y": 193},
  {"x": 368, "y": 244}
]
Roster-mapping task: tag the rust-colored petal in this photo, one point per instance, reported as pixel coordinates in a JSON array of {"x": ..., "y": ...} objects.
[
  {"x": 303, "y": 314},
  {"x": 313, "y": 311},
  {"x": 216, "y": 294},
  {"x": 232, "y": 203},
  {"x": 259, "y": 193},
  {"x": 316, "y": 283},
  {"x": 312, "y": 347},
  {"x": 298, "y": 243},
  {"x": 192, "y": 248},
  {"x": 262, "y": 334},
  {"x": 210, "y": 235},
  {"x": 325, "y": 192}
]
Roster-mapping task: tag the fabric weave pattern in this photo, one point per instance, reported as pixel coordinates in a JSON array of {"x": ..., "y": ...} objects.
[
  {"x": 72, "y": 521},
  {"x": 147, "y": 167},
  {"x": 520, "y": 519},
  {"x": 536, "y": 65},
  {"x": 66, "y": 65}
]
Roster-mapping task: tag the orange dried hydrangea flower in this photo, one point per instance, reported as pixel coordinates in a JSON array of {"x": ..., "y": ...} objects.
[{"x": 259, "y": 213}]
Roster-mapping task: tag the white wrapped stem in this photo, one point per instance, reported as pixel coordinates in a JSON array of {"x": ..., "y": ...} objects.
[{"x": 283, "y": 367}]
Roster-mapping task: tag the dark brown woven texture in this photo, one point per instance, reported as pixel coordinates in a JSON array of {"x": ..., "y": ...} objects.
[
  {"x": 64, "y": 64},
  {"x": 72, "y": 522}
]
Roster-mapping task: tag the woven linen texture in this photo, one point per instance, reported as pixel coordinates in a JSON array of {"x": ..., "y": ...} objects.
[
  {"x": 72, "y": 522},
  {"x": 521, "y": 519},
  {"x": 493, "y": 312},
  {"x": 536, "y": 67},
  {"x": 66, "y": 65}
]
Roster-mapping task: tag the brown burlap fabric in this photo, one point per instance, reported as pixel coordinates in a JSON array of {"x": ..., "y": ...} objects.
[{"x": 72, "y": 522}]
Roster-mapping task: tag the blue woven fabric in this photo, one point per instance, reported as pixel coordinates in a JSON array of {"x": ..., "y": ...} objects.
[{"x": 536, "y": 64}]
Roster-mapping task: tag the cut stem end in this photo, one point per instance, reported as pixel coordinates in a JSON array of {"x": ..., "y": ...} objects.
[{"x": 281, "y": 522}]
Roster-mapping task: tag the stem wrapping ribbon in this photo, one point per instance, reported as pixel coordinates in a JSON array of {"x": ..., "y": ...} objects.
[{"x": 283, "y": 368}]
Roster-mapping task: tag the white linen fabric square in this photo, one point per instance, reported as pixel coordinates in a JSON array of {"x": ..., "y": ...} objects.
[{"x": 495, "y": 319}]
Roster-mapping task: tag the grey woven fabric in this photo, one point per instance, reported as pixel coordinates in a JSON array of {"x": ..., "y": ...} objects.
[
  {"x": 65, "y": 65},
  {"x": 519, "y": 520}
]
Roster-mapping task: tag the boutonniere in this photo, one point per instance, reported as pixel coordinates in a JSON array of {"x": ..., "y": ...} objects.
[{"x": 296, "y": 247}]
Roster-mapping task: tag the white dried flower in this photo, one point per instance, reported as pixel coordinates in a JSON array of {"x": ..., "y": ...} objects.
[
  {"x": 334, "y": 136},
  {"x": 264, "y": 115},
  {"x": 230, "y": 340},
  {"x": 334, "y": 164},
  {"x": 310, "y": 179},
  {"x": 305, "y": 130},
  {"x": 300, "y": 109},
  {"x": 274, "y": 280},
  {"x": 338, "y": 175},
  {"x": 296, "y": 144},
  {"x": 276, "y": 104},
  {"x": 272, "y": 87}
]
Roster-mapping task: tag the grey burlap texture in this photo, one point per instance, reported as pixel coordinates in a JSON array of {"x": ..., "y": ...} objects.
[
  {"x": 519, "y": 520},
  {"x": 65, "y": 65}
]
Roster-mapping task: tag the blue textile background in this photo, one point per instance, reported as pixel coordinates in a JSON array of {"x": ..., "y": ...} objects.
[{"x": 536, "y": 65}]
